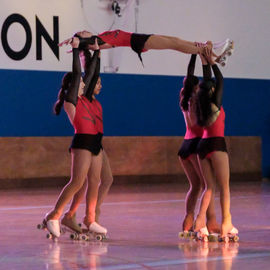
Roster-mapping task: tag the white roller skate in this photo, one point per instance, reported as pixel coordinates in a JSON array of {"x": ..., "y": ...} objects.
[
  {"x": 52, "y": 226},
  {"x": 223, "y": 50},
  {"x": 232, "y": 236},
  {"x": 202, "y": 234},
  {"x": 96, "y": 232}
]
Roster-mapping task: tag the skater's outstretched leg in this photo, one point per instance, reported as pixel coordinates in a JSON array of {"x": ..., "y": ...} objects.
[{"x": 160, "y": 42}]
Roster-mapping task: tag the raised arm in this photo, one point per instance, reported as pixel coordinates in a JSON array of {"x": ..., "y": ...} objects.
[
  {"x": 92, "y": 69},
  {"x": 72, "y": 92},
  {"x": 207, "y": 74},
  {"x": 191, "y": 65},
  {"x": 218, "y": 93},
  {"x": 90, "y": 89}
]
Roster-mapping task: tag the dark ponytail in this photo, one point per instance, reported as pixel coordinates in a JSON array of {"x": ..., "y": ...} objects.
[
  {"x": 203, "y": 102},
  {"x": 189, "y": 83},
  {"x": 62, "y": 92}
]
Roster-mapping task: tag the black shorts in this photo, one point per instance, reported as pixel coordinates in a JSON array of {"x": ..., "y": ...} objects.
[
  {"x": 137, "y": 43},
  {"x": 88, "y": 142},
  {"x": 188, "y": 147},
  {"x": 209, "y": 145}
]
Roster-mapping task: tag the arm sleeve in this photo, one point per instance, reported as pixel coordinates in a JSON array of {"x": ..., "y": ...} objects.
[
  {"x": 91, "y": 75},
  {"x": 72, "y": 92},
  {"x": 90, "y": 41},
  {"x": 207, "y": 74},
  {"x": 218, "y": 93},
  {"x": 191, "y": 65}
]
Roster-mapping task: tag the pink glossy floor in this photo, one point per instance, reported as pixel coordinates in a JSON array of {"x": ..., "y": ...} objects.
[{"x": 143, "y": 223}]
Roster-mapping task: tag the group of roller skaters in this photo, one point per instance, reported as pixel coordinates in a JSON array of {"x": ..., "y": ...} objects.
[{"x": 203, "y": 154}]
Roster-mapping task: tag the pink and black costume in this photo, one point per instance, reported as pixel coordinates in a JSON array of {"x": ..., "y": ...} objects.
[
  {"x": 88, "y": 123},
  {"x": 118, "y": 38},
  {"x": 213, "y": 135},
  {"x": 193, "y": 134}
]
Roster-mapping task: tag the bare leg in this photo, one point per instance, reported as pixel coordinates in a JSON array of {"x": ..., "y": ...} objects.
[
  {"x": 212, "y": 224},
  {"x": 193, "y": 193},
  {"x": 105, "y": 184},
  {"x": 77, "y": 199},
  {"x": 69, "y": 218},
  {"x": 81, "y": 160},
  {"x": 220, "y": 163},
  {"x": 209, "y": 180},
  {"x": 159, "y": 42},
  {"x": 92, "y": 191}
]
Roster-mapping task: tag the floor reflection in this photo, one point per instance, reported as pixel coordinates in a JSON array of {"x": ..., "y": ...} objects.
[
  {"x": 208, "y": 255},
  {"x": 82, "y": 254}
]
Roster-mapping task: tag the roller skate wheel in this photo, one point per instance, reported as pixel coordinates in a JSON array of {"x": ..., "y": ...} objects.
[
  {"x": 181, "y": 235},
  {"x": 80, "y": 237},
  {"x": 229, "y": 53},
  {"x": 73, "y": 236},
  {"x": 223, "y": 59},
  {"x": 49, "y": 236},
  {"x": 223, "y": 64},
  {"x": 40, "y": 226},
  {"x": 84, "y": 237},
  {"x": 235, "y": 238},
  {"x": 99, "y": 237},
  {"x": 212, "y": 238}
]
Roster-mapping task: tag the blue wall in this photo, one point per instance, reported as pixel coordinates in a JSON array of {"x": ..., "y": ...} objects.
[{"x": 134, "y": 105}]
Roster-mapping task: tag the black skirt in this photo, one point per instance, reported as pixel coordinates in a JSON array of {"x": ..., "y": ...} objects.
[
  {"x": 188, "y": 147},
  {"x": 137, "y": 43},
  {"x": 209, "y": 145},
  {"x": 90, "y": 142}
]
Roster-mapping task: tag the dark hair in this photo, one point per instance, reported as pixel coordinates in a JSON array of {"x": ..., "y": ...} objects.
[
  {"x": 203, "y": 102},
  {"x": 61, "y": 94},
  {"x": 189, "y": 83}
]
